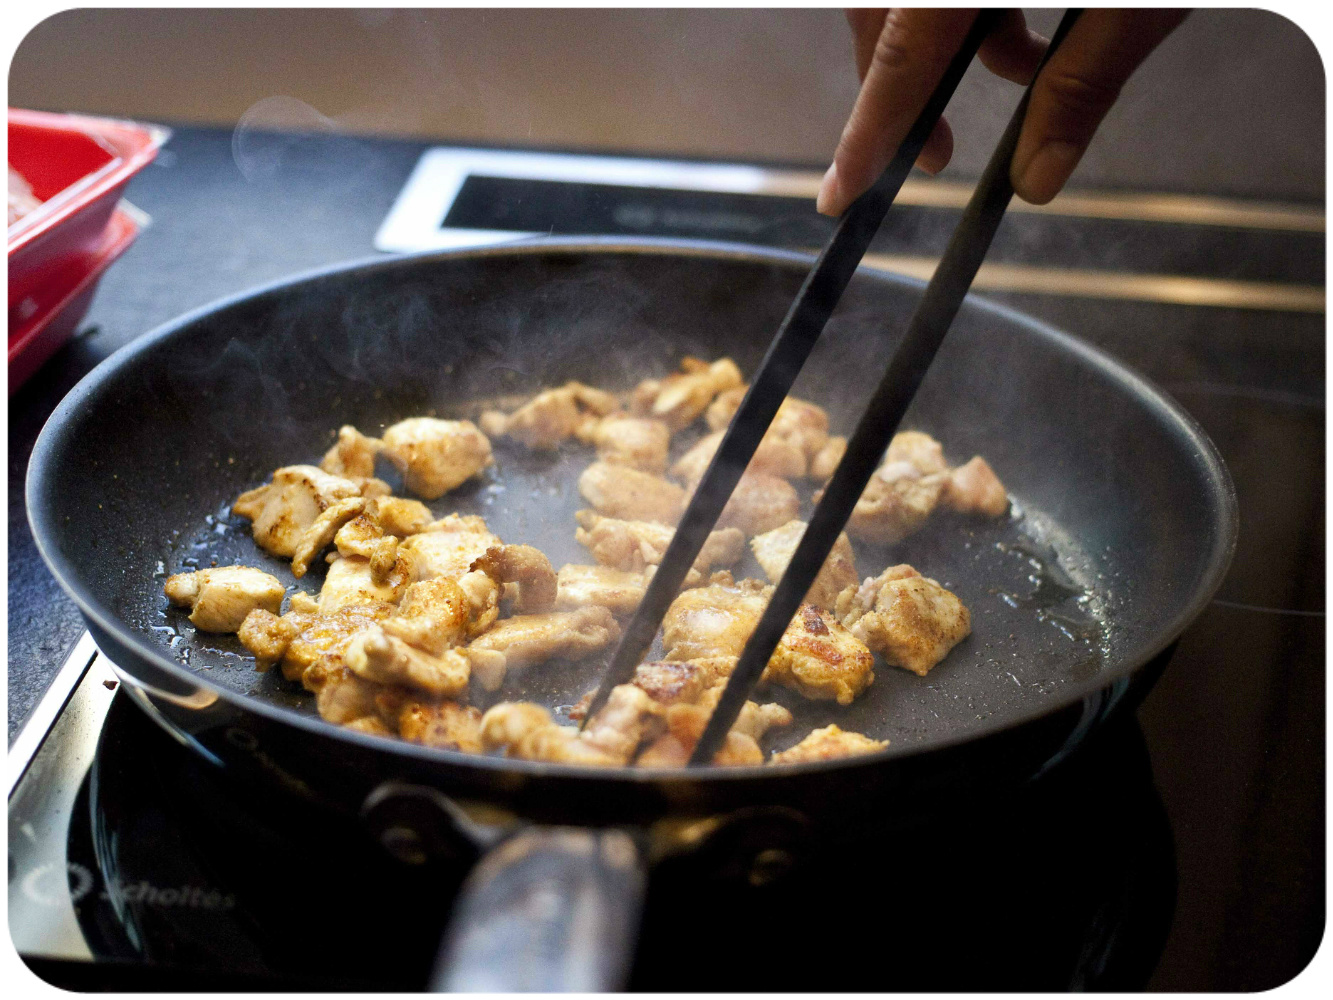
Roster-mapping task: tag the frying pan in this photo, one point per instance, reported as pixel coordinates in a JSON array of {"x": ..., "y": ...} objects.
[{"x": 1123, "y": 524}]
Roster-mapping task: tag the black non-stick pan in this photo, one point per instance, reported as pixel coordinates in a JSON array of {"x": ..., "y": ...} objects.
[{"x": 1123, "y": 523}]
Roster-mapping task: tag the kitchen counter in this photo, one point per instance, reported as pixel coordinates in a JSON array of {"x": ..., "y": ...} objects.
[{"x": 1235, "y": 728}]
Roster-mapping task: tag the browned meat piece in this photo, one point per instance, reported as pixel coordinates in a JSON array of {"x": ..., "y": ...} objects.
[
  {"x": 800, "y": 424},
  {"x": 678, "y": 399},
  {"x": 669, "y": 682},
  {"x": 283, "y": 509},
  {"x": 321, "y": 532},
  {"x": 527, "y": 732},
  {"x": 819, "y": 658},
  {"x": 446, "y": 725},
  {"x": 353, "y": 457},
  {"x": 919, "y": 450},
  {"x": 341, "y": 696},
  {"x": 622, "y": 492},
  {"x": 584, "y": 586},
  {"x": 435, "y": 456},
  {"x": 829, "y": 743},
  {"x": 713, "y": 621},
  {"x": 774, "y": 549},
  {"x": 528, "y": 639},
  {"x": 449, "y": 546},
  {"x": 551, "y": 416},
  {"x": 627, "y": 719},
  {"x": 267, "y": 636},
  {"x": 825, "y": 461},
  {"x": 759, "y": 503},
  {"x": 401, "y": 517},
  {"x": 220, "y": 598},
  {"x": 633, "y": 546},
  {"x": 685, "y": 725},
  {"x": 909, "y": 619},
  {"x": 524, "y": 568},
  {"x": 318, "y": 637},
  {"x": 638, "y": 442},
  {"x": 974, "y": 488},
  {"x": 433, "y": 616},
  {"x": 371, "y": 726},
  {"x": 891, "y": 509},
  {"x": 775, "y": 456},
  {"x": 375, "y": 655},
  {"x": 350, "y": 580}
]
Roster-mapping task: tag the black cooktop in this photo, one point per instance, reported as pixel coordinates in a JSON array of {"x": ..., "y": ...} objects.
[{"x": 1215, "y": 800}]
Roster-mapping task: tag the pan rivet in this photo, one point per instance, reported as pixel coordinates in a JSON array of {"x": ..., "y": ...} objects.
[
  {"x": 405, "y": 844},
  {"x": 770, "y": 865}
]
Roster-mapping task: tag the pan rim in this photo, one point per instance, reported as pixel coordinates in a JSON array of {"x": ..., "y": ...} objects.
[{"x": 1222, "y": 500}]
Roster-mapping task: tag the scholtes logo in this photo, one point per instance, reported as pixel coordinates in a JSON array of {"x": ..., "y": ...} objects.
[{"x": 44, "y": 886}]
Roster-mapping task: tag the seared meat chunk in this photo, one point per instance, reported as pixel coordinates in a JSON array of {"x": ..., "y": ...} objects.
[
  {"x": 551, "y": 416},
  {"x": 626, "y": 720},
  {"x": 220, "y": 598},
  {"x": 819, "y": 658},
  {"x": 908, "y": 618},
  {"x": 760, "y": 503},
  {"x": 299, "y": 638},
  {"x": 353, "y": 456},
  {"x": 637, "y": 442},
  {"x": 527, "y": 732},
  {"x": 321, "y": 533},
  {"x": 825, "y": 461},
  {"x": 449, "y": 546},
  {"x": 896, "y": 503},
  {"x": 622, "y": 492},
  {"x": 713, "y": 621},
  {"x": 528, "y": 639},
  {"x": 435, "y": 456},
  {"x": 525, "y": 570},
  {"x": 919, "y": 450},
  {"x": 375, "y": 655},
  {"x": 350, "y": 580},
  {"x": 775, "y": 456},
  {"x": 669, "y": 682},
  {"x": 678, "y": 399},
  {"x": 686, "y": 723},
  {"x": 283, "y": 509},
  {"x": 446, "y": 725},
  {"x": 635, "y": 545},
  {"x": 799, "y": 424},
  {"x": 774, "y": 549},
  {"x": 829, "y": 743},
  {"x": 584, "y": 586},
  {"x": 974, "y": 488}
]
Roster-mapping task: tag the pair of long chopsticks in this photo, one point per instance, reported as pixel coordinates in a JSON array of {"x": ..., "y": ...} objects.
[
  {"x": 796, "y": 337},
  {"x": 925, "y": 331}
]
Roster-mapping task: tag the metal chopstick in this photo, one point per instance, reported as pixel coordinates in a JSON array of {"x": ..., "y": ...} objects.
[
  {"x": 792, "y": 344},
  {"x": 925, "y": 331}
]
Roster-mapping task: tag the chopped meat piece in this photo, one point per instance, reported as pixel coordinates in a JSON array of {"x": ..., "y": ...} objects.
[
  {"x": 527, "y": 732},
  {"x": 433, "y": 616},
  {"x": 638, "y": 442},
  {"x": 799, "y": 423},
  {"x": 908, "y": 618},
  {"x": 319, "y": 637},
  {"x": 671, "y": 681},
  {"x": 370, "y": 725},
  {"x": 525, "y": 568},
  {"x": 583, "y": 586},
  {"x": 776, "y": 456},
  {"x": 350, "y": 581},
  {"x": 321, "y": 532},
  {"x": 283, "y": 509},
  {"x": 825, "y": 461},
  {"x": 568, "y": 635},
  {"x": 436, "y": 455},
  {"x": 819, "y": 658},
  {"x": 974, "y": 488},
  {"x": 375, "y": 655},
  {"x": 760, "y": 503},
  {"x": 917, "y": 449},
  {"x": 449, "y": 546},
  {"x": 633, "y": 546},
  {"x": 446, "y": 725},
  {"x": 220, "y": 598},
  {"x": 896, "y": 503},
  {"x": 619, "y": 491},
  {"x": 686, "y": 724},
  {"x": 628, "y": 718},
  {"x": 713, "y": 621},
  {"x": 551, "y": 416},
  {"x": 268, "y": 636},
  {"x": 303, "y": 602},
  {"x": 340, "y": 695},
  {"x": 678, "y": 399},
  {"x": 353, "y": 457},
  {"x": 401, "y": 517},
  {"x": 774, "y": 549},
  {"x": 483, "y": 596},
  {"x": 829, "y": 743}
]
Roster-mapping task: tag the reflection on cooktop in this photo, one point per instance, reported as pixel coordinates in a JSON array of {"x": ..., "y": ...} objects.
[{"x": 1069, "y": 882}]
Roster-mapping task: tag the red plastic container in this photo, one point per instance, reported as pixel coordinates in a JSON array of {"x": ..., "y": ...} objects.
[
  {"x": 49, "y": 315},
  {"x": 78, "y": 166}
]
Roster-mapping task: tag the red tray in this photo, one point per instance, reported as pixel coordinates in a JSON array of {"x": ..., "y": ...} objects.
[
  {"x": 78, "y": 166},
  {"x": 42, "y": 321}
]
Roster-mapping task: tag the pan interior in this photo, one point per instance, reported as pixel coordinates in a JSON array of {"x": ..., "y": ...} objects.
[{"x": 1106, "y": 542}]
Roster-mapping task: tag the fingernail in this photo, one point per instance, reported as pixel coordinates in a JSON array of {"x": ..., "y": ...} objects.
[
  {"x": 830, "y": 192},
  {"x": 1040, "y": 178}
]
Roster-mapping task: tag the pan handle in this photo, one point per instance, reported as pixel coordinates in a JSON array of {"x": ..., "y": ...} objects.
[{"x": 549, "y": 910}]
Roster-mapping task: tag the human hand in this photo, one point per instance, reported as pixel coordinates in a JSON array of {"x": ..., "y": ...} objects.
[{"x": 901, "y": 55}]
